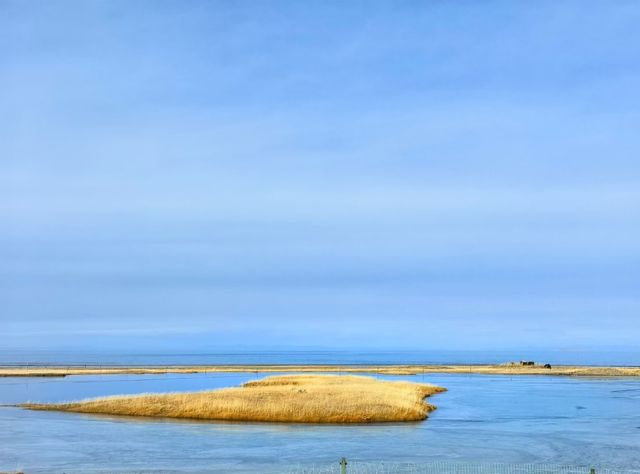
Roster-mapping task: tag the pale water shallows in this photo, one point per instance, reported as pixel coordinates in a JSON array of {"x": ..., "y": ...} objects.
[{"x": 523, "y": 419}]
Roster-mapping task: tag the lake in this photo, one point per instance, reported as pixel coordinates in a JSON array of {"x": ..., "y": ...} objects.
[
  {"x": 319, "y": 357},
  {"x": 481, "y": 419}
]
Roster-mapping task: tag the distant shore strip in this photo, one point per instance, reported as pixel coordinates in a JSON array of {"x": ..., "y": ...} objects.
[{"x": 502, "y": 369}]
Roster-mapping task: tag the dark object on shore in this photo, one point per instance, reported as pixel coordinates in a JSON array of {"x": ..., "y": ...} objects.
[
  {"x": 547, "y": 366},
  {"x": 527, "y": 362}
]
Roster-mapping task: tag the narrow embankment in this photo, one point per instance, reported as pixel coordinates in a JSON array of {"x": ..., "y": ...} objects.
[{"x": 499, "y": 369}]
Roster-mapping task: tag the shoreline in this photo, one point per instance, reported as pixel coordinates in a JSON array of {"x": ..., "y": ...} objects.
[{"x": 505, "y": 369}]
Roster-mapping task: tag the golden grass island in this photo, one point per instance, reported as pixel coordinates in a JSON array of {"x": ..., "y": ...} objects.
[{"x": 285, "y": 398}]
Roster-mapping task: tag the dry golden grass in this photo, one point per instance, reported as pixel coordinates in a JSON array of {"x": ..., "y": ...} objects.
[
  {"x": 44, "y": 371},
  {"x": 287, "y": 398},
  {"x": 587, "y": 371}
]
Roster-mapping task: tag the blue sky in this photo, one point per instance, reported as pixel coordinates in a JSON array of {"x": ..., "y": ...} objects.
[{"x": 209, "y": 175}]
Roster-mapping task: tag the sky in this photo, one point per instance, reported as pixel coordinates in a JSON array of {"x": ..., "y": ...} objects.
[{"x": 216, "y": 175}]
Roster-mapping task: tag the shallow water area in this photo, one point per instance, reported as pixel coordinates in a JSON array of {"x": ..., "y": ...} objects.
[{"x": 520, "y": 419}]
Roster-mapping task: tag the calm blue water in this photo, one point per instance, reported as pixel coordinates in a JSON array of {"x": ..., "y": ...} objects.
[
  {"x": 567, "y": 357},
  {"x": 480, "y": 419}
]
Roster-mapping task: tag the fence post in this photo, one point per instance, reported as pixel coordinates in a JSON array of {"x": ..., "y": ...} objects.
[{"x": 343, "y": 466}]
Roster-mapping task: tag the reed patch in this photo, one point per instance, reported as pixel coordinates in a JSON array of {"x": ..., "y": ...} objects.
[{"x": 285, "y": 398}]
